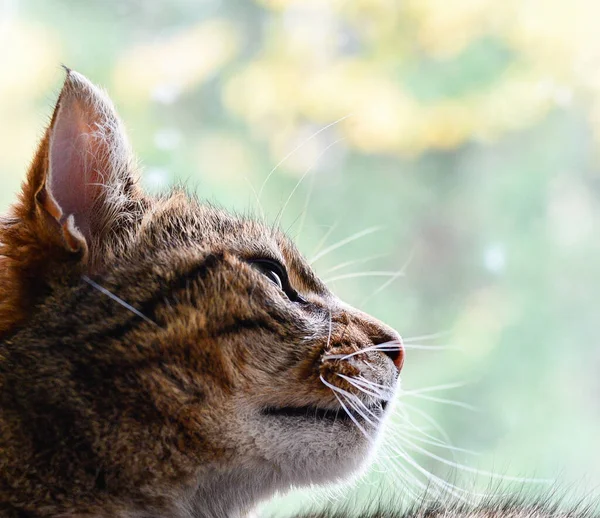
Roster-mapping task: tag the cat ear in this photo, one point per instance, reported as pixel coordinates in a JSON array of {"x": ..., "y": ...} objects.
[{"x": 83, "y": 179}]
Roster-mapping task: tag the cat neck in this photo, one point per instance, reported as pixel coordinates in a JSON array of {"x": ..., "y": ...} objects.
[{"x": 231, "y": 493}]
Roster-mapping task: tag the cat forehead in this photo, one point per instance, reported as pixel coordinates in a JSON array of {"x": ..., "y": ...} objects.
[
  {"x": 182, "y": 217},
  {"x": 180, "y": 220}
]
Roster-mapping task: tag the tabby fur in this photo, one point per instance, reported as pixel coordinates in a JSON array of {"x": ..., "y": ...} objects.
[{"x": 144, "y": 358}]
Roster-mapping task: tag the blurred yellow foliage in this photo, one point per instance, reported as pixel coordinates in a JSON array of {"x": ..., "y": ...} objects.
[
  {"x": 29, "y": 72},
  {"x": 30, "y": 57},
  {"x": 322, "y": 60},
  {"x": 303, "y": 75},
  {"x": 164, "y": 69}
]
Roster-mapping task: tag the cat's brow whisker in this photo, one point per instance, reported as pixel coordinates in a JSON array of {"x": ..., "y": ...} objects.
[
  {"x": 344, "y": 242},
  {"x": 299, "y": 182},
  {"x": 306, "y": 203},
  {"x": 297, "y": 148},
  {"x": 345, "y": 264},
  {"x": 354, "y": 275},
  {"x": 256, "y": 197},
  {"x": 325, "y": 237},
  {"x": 119, "y": 300},
  {"x": 400, "y": 273}
]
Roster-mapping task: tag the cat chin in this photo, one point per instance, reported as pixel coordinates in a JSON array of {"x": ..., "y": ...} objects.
[{"x": 312, "y": 451}]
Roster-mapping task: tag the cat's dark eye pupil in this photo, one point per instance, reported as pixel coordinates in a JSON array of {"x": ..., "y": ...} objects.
[
  {"x": 277, "y": 274},
  {"x": 272, "y": 276}
]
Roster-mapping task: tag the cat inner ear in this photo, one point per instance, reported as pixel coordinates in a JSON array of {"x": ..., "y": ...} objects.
[{"x": 87, "y": 184}]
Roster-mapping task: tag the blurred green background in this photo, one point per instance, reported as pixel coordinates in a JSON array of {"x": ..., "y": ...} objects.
[{"x": 457, "y": 141}]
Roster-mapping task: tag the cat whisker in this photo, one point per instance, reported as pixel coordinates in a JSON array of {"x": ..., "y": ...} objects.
[
  {"x": 423, "y": 347},
  {"x": 325, "y": 237},
  {"x": 354, "y": 275},
  {"x": 119, "y": 300},
  {"x": 306, "y": 204},
  {"x": 353, "y": 403},
  {"x": 443, "y": 401},
  {"x": 333, "y": 356},
  {"x": 347, "y": 356},
  {"x": 343, "y": 242},
  {"x": 373, "y": 384},
  {"x": 469, "y": 469},
  {"x": 385, "y": 393},
  {"x": 297, "y": 148},
  {"x": 401, "y": 408},
  {"x": 430, "y": 336},
  {"x": 349, "y": 398},
  {"x": 354, "y": 420},
  {"x": 438, "y": 444},
  {"x": 423, "y": 435},
  {"x": 399, "y": 273},
  {"x": 366, "y": 390},
  {"x": 329, "y": 333},
  {"x": 387, "y": 346},
  {"x": 455, "y": 491},
  {"x": 299, "y": 182},
  {"x": 407, "y": 478},
  {"x": 256, "y": 197},
  {"x": 345, "y": 264},
  {"x": 410, "y": 479},
  {"x": 437, "y": 388}
]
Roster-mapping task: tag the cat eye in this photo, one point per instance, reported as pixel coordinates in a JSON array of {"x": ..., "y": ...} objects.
[
  {"x": 270, "y": 273},
  {"x": 277, "y": 274}
]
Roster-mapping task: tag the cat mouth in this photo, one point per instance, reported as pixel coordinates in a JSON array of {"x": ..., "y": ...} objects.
[{"x": 331, "y": 414}]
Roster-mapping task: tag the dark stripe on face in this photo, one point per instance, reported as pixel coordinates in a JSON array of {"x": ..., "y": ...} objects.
[
  {"x": 198, "y": 272},
  {"x": 249, "y": 324},
  {"x": 148, "y": 307}
]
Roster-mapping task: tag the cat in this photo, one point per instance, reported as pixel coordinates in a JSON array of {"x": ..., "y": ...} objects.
[{"x": 160, "y": 357}]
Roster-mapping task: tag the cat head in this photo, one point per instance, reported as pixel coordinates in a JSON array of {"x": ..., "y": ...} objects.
[{"x": 180, "y": 323}]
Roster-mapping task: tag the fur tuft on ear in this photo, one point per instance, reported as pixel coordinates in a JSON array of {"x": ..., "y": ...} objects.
[
  {"x": 79, "y": 195},
  {"x": 89, "y": 160}
]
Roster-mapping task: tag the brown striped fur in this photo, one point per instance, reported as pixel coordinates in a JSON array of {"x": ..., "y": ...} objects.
[{"x": 161, "y": 409}]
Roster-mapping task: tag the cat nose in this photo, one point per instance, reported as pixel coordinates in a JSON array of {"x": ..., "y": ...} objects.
[{"x": 390, "y": 344}]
